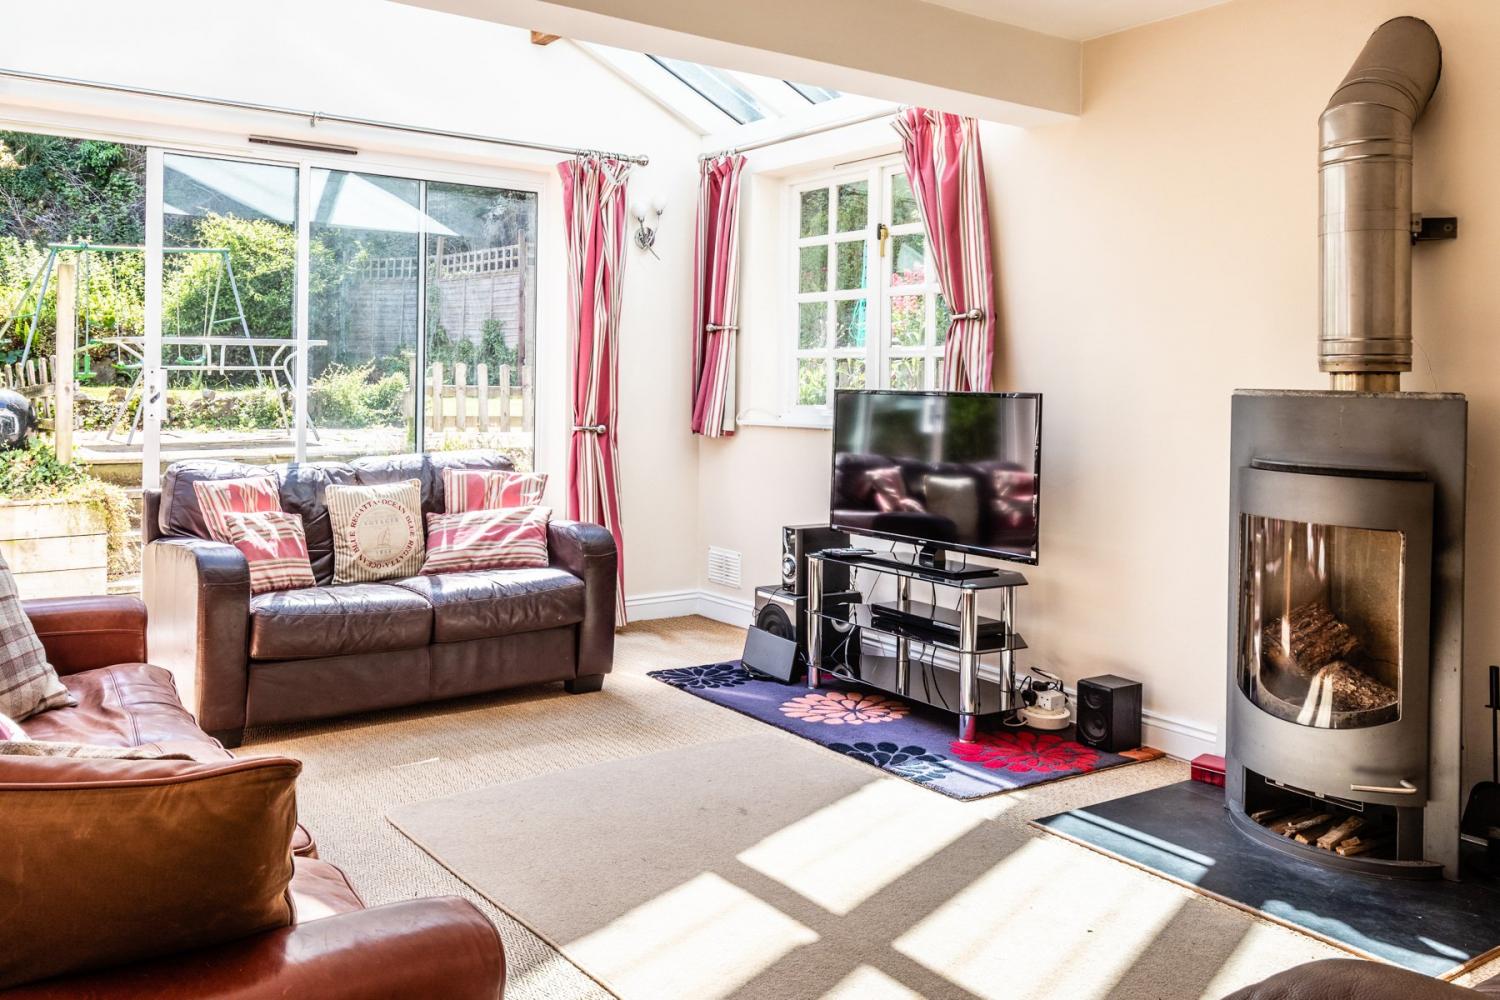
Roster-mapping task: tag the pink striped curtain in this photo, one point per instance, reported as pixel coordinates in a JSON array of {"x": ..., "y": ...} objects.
[
  {"x": 594, "y": 213},
  {"x": 946, "y": 171},
  {"x": 716, "y": 295}
]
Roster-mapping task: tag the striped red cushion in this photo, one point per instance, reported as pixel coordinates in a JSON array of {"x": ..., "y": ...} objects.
[
  {"x": 508, "y": 538},
  {"x": 487, "y": 489},
  {"x": 275, "y": 547},
  {"x": 218, "y": 497}
]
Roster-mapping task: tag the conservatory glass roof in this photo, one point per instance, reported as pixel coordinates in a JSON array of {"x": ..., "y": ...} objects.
[{"x": 719, "y": 102}]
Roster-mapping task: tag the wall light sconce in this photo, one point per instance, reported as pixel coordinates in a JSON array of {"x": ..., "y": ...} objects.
[{"x": 645, "y": 236}]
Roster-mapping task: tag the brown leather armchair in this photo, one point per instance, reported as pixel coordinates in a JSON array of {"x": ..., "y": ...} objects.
[
  {"x": 328, "y": 945},
  {"x": 287, "y": 656},
  {"x": 1353, "y": 979}
]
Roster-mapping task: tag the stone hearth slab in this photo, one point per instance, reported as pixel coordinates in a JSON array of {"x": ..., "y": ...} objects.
[{"x": 1183, "y": 832}]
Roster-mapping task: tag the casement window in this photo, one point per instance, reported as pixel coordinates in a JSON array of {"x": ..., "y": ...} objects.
[{"x": 866, "y": 309}]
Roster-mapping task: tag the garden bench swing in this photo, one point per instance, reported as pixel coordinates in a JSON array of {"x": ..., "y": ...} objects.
[{"x": 130, "y": 348}]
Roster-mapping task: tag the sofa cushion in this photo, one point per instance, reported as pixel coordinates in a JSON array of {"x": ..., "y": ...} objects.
[
  {"x": 275, "y": 548},
  {"x": 179, "y": 513},
  {"x": 112, "y": 861},
  {"x": 28, "y": 683},
  {"x": 320, "y": 889},
  {"x": 220, "y": 498},
  {"x": 486, "y": 489},
  {"x": 506, "y": 538},
  {"x": 377, "y": 531},
  {"x": 498, "y": 602},
  {"x": 126, "y": 705},
  {"x": 427, "y": 469},
  {"x": 337, "y": 620}
]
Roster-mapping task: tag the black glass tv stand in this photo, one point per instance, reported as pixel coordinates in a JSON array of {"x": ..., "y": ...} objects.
[{"x": 889, "y": 667}]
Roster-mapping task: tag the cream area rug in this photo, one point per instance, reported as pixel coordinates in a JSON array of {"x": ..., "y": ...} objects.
[{"x": 734, "y": 868}]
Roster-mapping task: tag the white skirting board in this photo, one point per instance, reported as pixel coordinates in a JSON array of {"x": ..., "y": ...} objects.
[{"x": 1179, "y": 738}]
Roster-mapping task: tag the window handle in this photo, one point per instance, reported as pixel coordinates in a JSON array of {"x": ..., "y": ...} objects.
[{"x": 882, "y": 233}]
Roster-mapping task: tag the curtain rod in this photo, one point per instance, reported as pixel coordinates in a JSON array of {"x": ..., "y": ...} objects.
[
  {"x": 803, "y": 134},
  {"x": 314, "y": 117}
]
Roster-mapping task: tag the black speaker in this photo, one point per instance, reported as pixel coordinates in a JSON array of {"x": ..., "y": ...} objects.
[
  {"x": 797, "y": 540},
  {"x": 1109, "y": 713},
  {"x": 783, "y": 614}
]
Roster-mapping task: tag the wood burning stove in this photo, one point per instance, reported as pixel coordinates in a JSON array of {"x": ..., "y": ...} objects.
[{"x": 1346, "y": 577}]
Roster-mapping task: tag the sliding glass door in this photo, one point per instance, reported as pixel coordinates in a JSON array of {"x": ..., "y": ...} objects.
[
  {"x": 399, "y": 314},
  {"x": 364, "y": 313},
  {"x": 480, "y": 271},
  {"x": 228, "y": 314}
]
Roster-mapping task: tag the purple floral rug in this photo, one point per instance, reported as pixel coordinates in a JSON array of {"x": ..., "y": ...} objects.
[{"x": 903, "y": 738}]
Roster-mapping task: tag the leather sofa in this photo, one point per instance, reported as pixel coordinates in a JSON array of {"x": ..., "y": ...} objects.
[
  {"x": 288, "y": 656},
  {"x": 334, "y": 947},
  {"x": 1353, "y": 979}
]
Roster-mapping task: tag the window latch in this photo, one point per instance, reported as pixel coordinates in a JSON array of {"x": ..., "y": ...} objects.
[{"x": 882, "y": 233}]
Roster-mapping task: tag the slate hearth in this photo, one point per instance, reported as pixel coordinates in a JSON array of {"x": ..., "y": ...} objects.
[{"x": 1183, "y": 832}]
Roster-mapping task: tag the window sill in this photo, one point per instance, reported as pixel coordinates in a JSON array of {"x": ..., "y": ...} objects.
[{"x": 790, "y": 421}]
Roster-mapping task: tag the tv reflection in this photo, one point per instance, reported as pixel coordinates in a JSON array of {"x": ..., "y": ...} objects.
[{"x": 952, "y": 470}]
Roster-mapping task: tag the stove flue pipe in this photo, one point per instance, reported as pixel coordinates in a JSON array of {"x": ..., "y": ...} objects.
[{"x": 1365, "y": 200}]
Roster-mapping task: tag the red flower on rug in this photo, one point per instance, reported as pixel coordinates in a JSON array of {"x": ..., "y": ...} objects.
[
  {"x": 1024, "y": 751},
  {"x": 844, "y": 708}
]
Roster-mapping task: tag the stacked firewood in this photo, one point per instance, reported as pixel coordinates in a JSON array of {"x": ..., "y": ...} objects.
[
  {"x": 1311, "y": 642},
  {"x": 1345, "y": 834}
]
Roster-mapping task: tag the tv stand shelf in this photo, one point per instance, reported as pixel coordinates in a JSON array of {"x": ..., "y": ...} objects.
[{"x": 976, "y": 691}]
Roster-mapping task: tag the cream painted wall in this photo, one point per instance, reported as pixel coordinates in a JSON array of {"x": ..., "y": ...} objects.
[
  {"x": 392, "y": 62},
  {"x": 1152, "y": 256}
]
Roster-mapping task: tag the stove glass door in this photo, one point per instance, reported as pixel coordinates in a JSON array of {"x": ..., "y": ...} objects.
[{"x": 1320, "y": 631}]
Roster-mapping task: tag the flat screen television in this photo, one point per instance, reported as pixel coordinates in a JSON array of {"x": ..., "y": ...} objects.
[{"x": 956, "y": 471}]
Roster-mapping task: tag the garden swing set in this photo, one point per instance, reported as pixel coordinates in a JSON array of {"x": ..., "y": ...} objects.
[{"x": 195, "y": 352}]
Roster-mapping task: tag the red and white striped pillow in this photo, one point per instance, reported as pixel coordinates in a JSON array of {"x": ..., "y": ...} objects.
[
  {"x": 507, "y": 538},
  {"x": 275, "y": 546},
  {"x": 219, "y": 497},
  {"x": 488, "y": 489}
]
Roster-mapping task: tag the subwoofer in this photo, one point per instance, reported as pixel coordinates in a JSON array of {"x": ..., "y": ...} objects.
[
  {"x": 782, "y": 613},
  {"x": 797, "y": 540},
  {"x": 1109, "y": 713}
]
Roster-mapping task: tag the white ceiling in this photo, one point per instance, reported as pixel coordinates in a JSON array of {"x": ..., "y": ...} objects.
[{"x": 1078, "y": 20}]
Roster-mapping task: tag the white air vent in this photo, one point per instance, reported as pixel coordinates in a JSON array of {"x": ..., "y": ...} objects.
[{"x": 723, "y": 566}]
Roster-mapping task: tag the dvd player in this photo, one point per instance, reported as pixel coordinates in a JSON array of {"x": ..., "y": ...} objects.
[{"x": 915, "y": 614}]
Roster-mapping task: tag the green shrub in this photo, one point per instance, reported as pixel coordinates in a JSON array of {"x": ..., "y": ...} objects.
[{"x": 346, "y": 396}]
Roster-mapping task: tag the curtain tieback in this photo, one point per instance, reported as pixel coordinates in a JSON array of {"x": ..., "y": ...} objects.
[
  {"x": 722, "y": 328},
  {"x": 591, "y": 429},
  {"x": 975, "y": 313}
]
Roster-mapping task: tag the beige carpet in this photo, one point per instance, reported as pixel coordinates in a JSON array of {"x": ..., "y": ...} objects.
[{"x": 1062, "y": 921}]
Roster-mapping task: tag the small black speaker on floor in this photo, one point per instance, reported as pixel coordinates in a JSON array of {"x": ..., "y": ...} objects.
[
  {"x": 1109, "y": 713},
  {"x": 770, "y": 655}
]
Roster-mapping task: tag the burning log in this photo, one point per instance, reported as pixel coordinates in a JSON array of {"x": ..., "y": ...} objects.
[
  {"x": 1307, "y": 639},
  {"x": 1351, "y": 689}
]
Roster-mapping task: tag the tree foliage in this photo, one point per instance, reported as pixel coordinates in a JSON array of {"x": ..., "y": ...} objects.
[{"x": 57, "y": 190}]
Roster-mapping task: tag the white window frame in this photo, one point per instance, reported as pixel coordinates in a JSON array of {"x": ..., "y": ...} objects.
[{"x": 879, "y": 291}]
